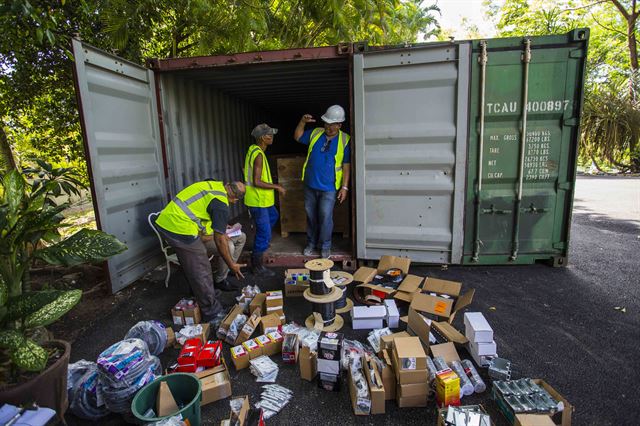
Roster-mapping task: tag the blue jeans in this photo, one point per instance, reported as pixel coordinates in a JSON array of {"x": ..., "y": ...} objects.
[
  {"x": 319, "y": 207},
  {"x": 265, "y": 219}
]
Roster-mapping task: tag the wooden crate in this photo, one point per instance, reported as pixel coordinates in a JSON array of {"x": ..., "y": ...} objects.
[{"x": 293, "y": 217}]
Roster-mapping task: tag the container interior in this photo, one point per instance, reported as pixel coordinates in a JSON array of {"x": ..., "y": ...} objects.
[{"x": 208, "y": 115}]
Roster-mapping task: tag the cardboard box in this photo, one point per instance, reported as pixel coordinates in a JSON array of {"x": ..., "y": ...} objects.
[
  {"x": 165, "y": 403},
  {"x": 477, "y": 328},
  {"x": 386, "y": 342},
  {"x": 483, "y": 349},
  {"x": 308, "y": 363},
  {"x": 361, "y": 406},
  {"x": 405, "y": 377},
  {"x": 290, "y": 348},
  {"x": 330, "y": 346},
  {"x": 365, "y": 274},
  {"x": 274, "y": 299},
  {"x": 215, "y": 384},
  {"x": 393, "y": 315},
  {"x": 533, "y": 420},
  {"x": 408, "y": 288},
  {"x": 278, "y": 310},
  {"x": 276, "y": 338},
  {"x": 258, "y": 302},
  {"x": 186, "y": 368},
  {"x": 388, "y": 377},
  {"x": 171, "y": 337},
  {"x": 178, "y": 316},
  {"x": 446, "y": 351},
  {"x": 226, "y": 322},
  {"x": 441, "y": 306},
  {"x": 249, "y": 328},
  {"x": 368, "y": 317},
  {"x": 210, "y": 354},
  {"x": 296, "y": 289},
  {"x": 253, "y": 348},
  {"x": 189, "y": 352},
  {"x": 447, "y": 388},
  {"x": 412, "y": 401},
  {"x": 240, "y": 418},
  {"x": 409, "y": 353},
  {"x": 420, "y": 327},
  {"x": 240, "y": 357},
  {"x": 562, "y": 418},
  {"x": 269, "y": 323},
  {"x": 376, "y": 387},
  {"x": 413, "y": 389}
]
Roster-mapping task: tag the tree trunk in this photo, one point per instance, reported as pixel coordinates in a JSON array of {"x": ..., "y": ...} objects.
[
  {"x": 7, "y": 162},
  {"x": 633, "y": 47}
]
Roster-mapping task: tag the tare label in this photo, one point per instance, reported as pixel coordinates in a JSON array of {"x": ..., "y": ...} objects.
[{"x": 513, "y": 107}]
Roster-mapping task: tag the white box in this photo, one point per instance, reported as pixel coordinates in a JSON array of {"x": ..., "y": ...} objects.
[
  {"x": 393, "y": 315},
  {"x": 329, "y": 367},
  {"x": 481, "y": 360},
  {"x": 483, "y": 348},
  {"x": 476, "y": 328},
  {"x": 367, "y": 317}
]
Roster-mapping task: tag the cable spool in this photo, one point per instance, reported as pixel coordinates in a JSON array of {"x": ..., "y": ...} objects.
[
  {"x": 343, "y": 279},
  {"x": 322, "y": 293}
]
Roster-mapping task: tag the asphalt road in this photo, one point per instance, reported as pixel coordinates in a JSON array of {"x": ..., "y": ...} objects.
[{"x": 558, "y": 324}]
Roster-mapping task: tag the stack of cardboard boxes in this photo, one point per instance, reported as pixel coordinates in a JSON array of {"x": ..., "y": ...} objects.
[
  {"x": 412, "y": 377},
  {"x": 274, "y": 304},
  {"x": 186, "y": 312},
  {"x": 329, "y": 356},
  {"x": 266, "y": 344},
  {"x": 482, "y": 347}
]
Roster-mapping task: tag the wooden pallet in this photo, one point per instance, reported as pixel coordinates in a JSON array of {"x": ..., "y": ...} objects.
[{"x": 293, "y": 217}]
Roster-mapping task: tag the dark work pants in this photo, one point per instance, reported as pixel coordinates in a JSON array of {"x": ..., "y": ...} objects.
[{"x": 319, "y": 207}]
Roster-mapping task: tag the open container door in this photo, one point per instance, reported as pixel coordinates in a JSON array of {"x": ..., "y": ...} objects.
[
  {"x": 119, "y": 118},
  {"x": 410, "y": 150}
]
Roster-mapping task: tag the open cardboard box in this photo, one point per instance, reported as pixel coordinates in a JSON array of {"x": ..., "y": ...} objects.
[
  {"x": 364, "y": 275},
  {"x": 388, "y": 376},
  {"x": 408, "y": 288},
  {"x": 215, "y": 383},
  {"x": 442, "y": 413},
  {"x": 308, "y": 363},
  {"x": 249, "y": 327},
  {"x": 295, "y": 290},
  {"x": 223, "y": 328},
  {"x": 420, "y": 326},
  {"x": 258, "y": 302},
  {"x": 441, "y": 306},
  {"x": 376, "y": 391},
  {"x": 562, "y": 418}
]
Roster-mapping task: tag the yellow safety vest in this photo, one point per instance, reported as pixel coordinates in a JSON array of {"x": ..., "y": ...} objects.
[
  {"x": 254, "y": 196},
  {"x": 343, "y": 140},
  {"x": 187, "y": 213}
]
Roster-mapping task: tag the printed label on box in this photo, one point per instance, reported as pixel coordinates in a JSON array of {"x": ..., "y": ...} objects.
[
  {"x": 177, "y": 320},
  {"x": 250, "y": 345},
  {"x": 189, "y": 320},
  {"x": 237, "y": 351},
  {"x": 262, "y": 340},
  {"x": 440, "y": 307},
  {"x": 409, "y": 363},
  {"x": 275, "y": 336}
]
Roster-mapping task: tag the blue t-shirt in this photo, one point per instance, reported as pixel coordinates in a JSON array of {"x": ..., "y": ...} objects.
[{"x": 320, "y": 173}]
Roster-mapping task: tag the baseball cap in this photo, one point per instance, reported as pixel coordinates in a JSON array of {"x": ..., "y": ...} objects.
[{"x": 263, "y": 129}]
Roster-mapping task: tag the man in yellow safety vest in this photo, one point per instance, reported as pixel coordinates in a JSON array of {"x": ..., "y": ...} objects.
[
  {"x": 325, "y": 174},
  {"x": 260, "y": 195},
  {"x": 195, "y": 217}
]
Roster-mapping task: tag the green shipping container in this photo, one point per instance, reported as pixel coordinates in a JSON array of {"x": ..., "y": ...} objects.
[{"x": 519, "y": 195}]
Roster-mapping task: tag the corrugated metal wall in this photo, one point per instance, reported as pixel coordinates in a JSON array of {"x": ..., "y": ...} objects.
[{"x": 207, "y": 133}]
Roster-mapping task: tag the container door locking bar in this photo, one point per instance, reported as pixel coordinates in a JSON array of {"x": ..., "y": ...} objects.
[
  {"x": 526, "y": 59},
  {"x": 482, "y": 59}
]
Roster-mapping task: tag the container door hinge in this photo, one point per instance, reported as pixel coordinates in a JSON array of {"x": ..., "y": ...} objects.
[
  {"x": 570, "y": 122},
  {"x": 576, "y": 53},
  {"x": 564, "y": 186}
]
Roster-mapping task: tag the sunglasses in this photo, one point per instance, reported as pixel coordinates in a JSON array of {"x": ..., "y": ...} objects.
[{"x": 325, "y": 146}]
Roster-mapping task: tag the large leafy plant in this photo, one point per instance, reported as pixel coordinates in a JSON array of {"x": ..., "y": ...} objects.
[{"x": 31, "y": 207}]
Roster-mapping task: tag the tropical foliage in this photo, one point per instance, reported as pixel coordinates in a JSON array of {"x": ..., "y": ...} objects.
[{"x": 31, "y": 206}]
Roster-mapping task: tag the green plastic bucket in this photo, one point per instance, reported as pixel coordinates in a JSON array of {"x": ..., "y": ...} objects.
[{"x": 186, "y": 391}]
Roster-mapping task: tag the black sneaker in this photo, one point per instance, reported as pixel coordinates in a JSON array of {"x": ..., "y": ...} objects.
[{"x": 225, "y": 285}]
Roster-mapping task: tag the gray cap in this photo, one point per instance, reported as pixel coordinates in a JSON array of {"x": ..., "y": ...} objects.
[{"x": 263, "y": 129}]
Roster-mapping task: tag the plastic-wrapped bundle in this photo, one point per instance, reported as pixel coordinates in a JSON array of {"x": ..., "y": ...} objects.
[
  {"x": 432, "y": 369},
  {"x": 235, "y": 327},
  {"x": 119, "y": 400},
  {"x": 472, "y": 373},
  {"x": 352, "y": 352},
  {"x": 152, "y": 332},
  {"x": 273, "y": 399},
  {"x": 363, "y": 399},
  {"x": 84, "y": 387},
  {"x": 440, "y": 363},
  {"x": 466, "y": 387},
  {"x": 123, "y": 369}
]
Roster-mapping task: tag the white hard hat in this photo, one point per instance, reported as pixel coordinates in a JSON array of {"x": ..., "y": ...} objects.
[{"x": 334, "y": 114}]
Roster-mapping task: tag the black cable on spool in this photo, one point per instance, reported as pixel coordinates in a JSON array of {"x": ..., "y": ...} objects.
[
  {"x": 326, "y": 310},
  {"x": 342, "y": 302},
  {"x": 319, "y": 288},
  {"x": 316, "y": 275}
]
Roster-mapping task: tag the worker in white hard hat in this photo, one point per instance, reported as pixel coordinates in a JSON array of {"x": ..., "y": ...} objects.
[{"x": 325, "y": 173}]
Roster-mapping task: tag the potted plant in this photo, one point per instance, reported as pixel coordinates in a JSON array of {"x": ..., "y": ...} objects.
[{"x": 30, "y": 223}]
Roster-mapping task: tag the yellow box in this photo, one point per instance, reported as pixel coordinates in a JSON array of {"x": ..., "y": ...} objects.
[{"x": 447, "y": 388}]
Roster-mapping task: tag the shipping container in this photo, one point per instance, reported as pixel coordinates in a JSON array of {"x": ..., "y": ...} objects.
[{"x": 440, "y": 171}]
